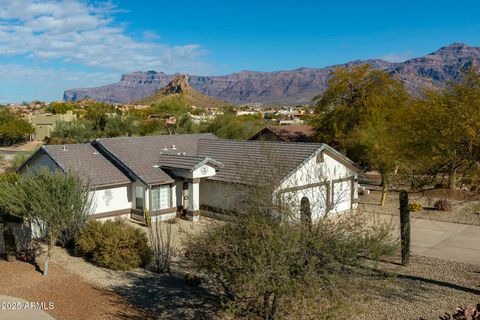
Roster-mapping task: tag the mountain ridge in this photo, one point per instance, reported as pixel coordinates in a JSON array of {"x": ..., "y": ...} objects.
[{"x": 296, "y": 86}]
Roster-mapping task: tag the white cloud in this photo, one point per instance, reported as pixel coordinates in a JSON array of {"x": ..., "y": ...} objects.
[
  {"x": 75, "y": 32},
  {"x": 397, "y": 57}
]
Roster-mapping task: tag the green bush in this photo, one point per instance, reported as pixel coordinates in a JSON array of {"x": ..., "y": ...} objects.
[
  {"x": 114, "y": 244},
  {"x": 414, "y": 207}
]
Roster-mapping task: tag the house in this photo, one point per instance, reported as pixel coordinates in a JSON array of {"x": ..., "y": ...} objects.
[
  {"x": 196, "y": 174},
  {"x": 44, "y": 123},
  {"x": 285, "y": 133}
]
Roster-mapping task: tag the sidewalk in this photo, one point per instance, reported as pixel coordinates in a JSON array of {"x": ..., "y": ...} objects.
[
  {"x": 442, "y": 240},
  {"x": 7, "y": 311}
]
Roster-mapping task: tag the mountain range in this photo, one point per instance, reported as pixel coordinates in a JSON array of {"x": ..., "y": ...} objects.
[{"x": 297, "y": 86}]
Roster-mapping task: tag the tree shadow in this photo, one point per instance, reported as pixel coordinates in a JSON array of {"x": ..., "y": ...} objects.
[{"x": 168, "y": 297}]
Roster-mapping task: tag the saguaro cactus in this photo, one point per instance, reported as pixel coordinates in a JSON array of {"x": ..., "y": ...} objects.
[{"x": 405, "y": 227}]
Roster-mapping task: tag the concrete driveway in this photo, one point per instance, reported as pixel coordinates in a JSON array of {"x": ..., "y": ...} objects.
[
  {"x": 9, "y": 310},
  {"x": 442, "y": 240}
]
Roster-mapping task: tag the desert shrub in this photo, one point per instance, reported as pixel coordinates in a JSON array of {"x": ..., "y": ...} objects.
[
  {"x": 443, "y": 205},
  {"x": 114, "y": 244},
  {"x": 266, "y": 265},
  {"x": 414, "y": 207}
]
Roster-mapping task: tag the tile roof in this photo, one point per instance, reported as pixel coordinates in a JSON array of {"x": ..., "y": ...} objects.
[
  {"x": 113, "y": 160},
  {"x": 141, "y": 154},
  {"x": 246, "y": 160},
  {"x": 87, "y": 162},
  {"x": 179, "y": 161},
  {"x": 288, "y": 133}
]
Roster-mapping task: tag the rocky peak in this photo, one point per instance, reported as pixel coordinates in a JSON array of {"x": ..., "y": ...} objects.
[
  {"x": 456, "y": 50},
  {"x": 178, "y": 85}
]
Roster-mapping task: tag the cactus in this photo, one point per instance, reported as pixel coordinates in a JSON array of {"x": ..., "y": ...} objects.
[
  {"x": 148, "y": 217},
  {"x": 405, "y": 227}
]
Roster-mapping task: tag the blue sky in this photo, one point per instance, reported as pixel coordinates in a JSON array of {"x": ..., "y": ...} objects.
[{"x": 47, "y": 46}]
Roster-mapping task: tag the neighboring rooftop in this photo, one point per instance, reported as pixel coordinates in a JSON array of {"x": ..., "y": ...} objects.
[{"x": 286, "y": 133}]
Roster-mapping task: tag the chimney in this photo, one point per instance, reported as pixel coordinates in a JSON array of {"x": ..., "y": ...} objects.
[{"x": 64, "y": 148}]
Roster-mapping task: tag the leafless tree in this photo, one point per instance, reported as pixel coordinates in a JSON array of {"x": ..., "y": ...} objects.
[{"x": 160, "y": 235}]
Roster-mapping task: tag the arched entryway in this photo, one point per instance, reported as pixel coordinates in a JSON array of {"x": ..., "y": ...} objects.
[{"x": 305, "y": 211}]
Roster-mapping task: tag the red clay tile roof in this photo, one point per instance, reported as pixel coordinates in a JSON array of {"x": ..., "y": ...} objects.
[{"x": 288, "y": 133}]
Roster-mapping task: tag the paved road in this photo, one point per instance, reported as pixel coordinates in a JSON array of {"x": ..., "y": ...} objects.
[
  {"x": 443, "y": 240},
  {"x": 7, "y": 311}
]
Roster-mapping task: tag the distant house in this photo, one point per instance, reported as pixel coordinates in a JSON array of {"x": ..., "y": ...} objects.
[
  {"x": 286, "y": 134},
  {"x": 44, "y": 123},
  {"x": 198, "y": 174}
]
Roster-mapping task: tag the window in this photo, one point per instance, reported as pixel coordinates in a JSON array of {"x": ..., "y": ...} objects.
[
  {"x": 139, "y": 194},
  {"x": 161, "y": 197}
]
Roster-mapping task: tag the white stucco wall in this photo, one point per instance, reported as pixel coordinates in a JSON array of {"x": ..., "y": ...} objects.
[
  {"x": 312, "y": 180},
  {"x": 312, "y": 172},
  {"x": 220, "y": 195},
  {"x": 332, "y": 197},
  {"x": 111, "y": 199},
  {"x": 103, "y": 199}
]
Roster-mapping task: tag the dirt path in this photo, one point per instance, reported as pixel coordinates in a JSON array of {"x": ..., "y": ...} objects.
[{"x": 73, "y": 298}]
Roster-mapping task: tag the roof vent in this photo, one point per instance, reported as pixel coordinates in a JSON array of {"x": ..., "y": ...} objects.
[
  {"x": 184, "y": 153},
  {"x": 64, "y": 148},
  {"x": 174, "y": 147},
  {"x": 164, "y": 148},
  {"x": 95, "y": 152}
]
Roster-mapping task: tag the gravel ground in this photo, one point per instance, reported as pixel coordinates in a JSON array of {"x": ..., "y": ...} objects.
[
  {"x": 73, "y": 298},
  {"x": 466, "y": 206},
  {"x": 426, "y": 289}
]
